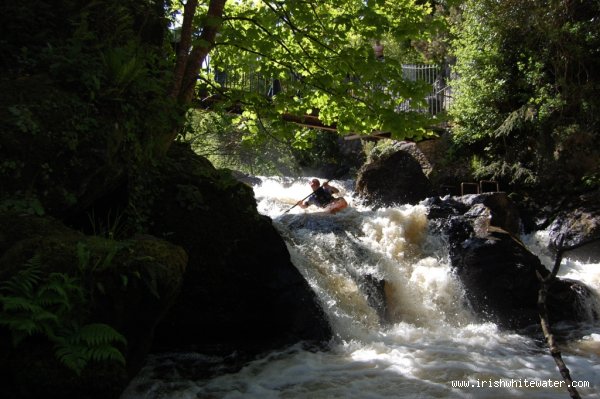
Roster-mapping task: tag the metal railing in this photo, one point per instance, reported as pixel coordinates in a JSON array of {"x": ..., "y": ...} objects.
[{"x": 437, "y": 100}]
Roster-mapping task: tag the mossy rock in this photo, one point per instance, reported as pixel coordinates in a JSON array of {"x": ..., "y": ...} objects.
[{"x": 128, "y": 285}]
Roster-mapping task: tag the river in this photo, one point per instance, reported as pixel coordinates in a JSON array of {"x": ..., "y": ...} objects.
[{"x": 422, "y": 341}]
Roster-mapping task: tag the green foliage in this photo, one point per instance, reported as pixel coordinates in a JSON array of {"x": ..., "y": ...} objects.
[
  {"x": 592, "y": 180},
  {"x": 525, "y": 75},
  {"x": 88, "y": 265},
  {"x": 321, "y": 151},
  {"x": 28, "y": 205},
  {"x": 23, "y": 119},
  {"x": 280, "y": 149},
  {"x": 379, "y": 149},
  {"x": 92, "y": 342},
  {"x": 322, "y": 54},
  {"x": 90, "y": 79},
  {"x": 35, "y": 303},
  {"x": 226, "y": 144},
  {"x": 112, "y": 227},
  {"x": 502, "y": 170}
]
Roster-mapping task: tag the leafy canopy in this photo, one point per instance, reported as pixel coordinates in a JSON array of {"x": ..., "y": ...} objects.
[{"x": 321, "y": 54}]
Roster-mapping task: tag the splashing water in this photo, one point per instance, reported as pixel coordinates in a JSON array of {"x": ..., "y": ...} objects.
[{"x": 401, "y": 324}]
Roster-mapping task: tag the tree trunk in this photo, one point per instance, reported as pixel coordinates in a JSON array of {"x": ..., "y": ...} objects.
[
  {"x": 190, "y": 58},
  {"x": 183, "y": 50}
]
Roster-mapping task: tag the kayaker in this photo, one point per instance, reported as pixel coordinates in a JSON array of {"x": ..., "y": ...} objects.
[{"x": 322, "y": 197}]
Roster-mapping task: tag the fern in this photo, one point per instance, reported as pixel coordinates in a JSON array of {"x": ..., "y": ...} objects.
[
  {"x": 21, "y": 312},
  {"x": 26, "y": 279},
  {"x": 515, "y": 120},
  {"x": 99, "y": 334},
  {"x": 92, "y": 342},
  {"x": 71, "y": 356},
  {"x": 11, "y": 304},
  {"x": 32, "y": 305},
  {"x": 20, "y": 328}
]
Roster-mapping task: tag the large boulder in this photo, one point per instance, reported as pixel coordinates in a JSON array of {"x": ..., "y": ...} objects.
[
  {"x": 393, "y": 179},
  {"x": 577, "y": 224},
  {"x": 488, "y": 209},
  {"x": 241, "y": 292},
  {"x": 499, "y": 274},
  {"x": 128, "y": 285}
]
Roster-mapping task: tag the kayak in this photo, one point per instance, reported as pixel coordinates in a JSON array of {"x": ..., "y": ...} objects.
[{"x": 336, "y": 205}]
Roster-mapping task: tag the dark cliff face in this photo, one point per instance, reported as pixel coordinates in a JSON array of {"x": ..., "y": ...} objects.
[{"x": 240, "y": 292}]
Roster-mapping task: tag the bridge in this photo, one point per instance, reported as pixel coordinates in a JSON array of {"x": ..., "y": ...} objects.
[{"x": 222, "y": 82}]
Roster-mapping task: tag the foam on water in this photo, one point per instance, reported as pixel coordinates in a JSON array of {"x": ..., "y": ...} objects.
[{"x": 422, "y": 340}]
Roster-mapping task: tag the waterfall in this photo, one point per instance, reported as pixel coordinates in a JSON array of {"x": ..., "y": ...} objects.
[{"x": 402, "y": 327}]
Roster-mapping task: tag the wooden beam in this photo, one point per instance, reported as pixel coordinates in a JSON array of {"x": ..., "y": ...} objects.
[{"x": 310, "y": 121}]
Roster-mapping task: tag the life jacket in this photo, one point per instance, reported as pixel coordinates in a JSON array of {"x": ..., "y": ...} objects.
[{"x": 321, "y": 197}]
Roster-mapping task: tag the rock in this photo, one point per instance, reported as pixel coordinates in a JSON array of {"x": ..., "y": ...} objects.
[
  {"x": 246, "y": 178},
  {"x": 393, "y": 179},
  {"x": 444, "y": 171},
  {"x": 241, "y": 291},
  {"x": 495, "y": 209},
  {"x": 442, "y": 208},
  {"x": 498, "y": 273},
  {"x": 577, "y": 224},
  {"x": 374, "y": 289},
  {"x": 499, "y": 277},
  {"x": 415, "y": 151},
  {"x": 503, "y": 212}
]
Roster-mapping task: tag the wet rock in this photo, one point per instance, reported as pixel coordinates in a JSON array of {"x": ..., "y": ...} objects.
[
  {"x": 374, "y": 289},
  {"x": 393, "y": 179},
  {"x": 498, "y": 273},
  {"x": 578, "y": 225},
  {"x": 503, "y": 212},
  {"x": 441, "y": 208},
  {"x": 500, "y": 280},
  {"x": 494, "y": 209}
]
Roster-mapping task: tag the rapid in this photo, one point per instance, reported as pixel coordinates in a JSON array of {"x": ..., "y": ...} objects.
[{"x": 402, "y": 327}]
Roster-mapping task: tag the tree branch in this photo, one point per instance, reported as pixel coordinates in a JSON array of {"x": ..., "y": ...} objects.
[{"x": 545, "y": 283}]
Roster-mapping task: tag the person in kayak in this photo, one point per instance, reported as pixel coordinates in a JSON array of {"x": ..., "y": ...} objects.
[{"x": 322, "y": 197}]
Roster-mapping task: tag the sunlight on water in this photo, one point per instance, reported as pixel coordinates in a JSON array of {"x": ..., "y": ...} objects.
[{"x": 402, "y": 328}]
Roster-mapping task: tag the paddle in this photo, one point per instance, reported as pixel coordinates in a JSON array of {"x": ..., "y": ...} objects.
[
  {"x": 324, "y": 183},
  {"x": 296, "y": 204}
]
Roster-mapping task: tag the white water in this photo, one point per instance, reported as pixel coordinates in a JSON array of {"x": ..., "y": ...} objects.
[{"x": 430, "y": 338}]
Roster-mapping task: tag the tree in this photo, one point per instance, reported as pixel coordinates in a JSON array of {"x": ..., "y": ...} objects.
[
  {"x": 325, "y": 46},
  {"x": 100, "y": 92},
  {"x": 524, "y": 96}
]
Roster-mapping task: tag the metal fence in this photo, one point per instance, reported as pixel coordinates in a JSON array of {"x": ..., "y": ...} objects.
[
  {"x": 438, "y": 99},
  {"x": 440, "y": 96}
]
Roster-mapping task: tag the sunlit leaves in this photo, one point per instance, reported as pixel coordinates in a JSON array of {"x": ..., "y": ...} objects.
[{"x": 322, "y": 54}]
